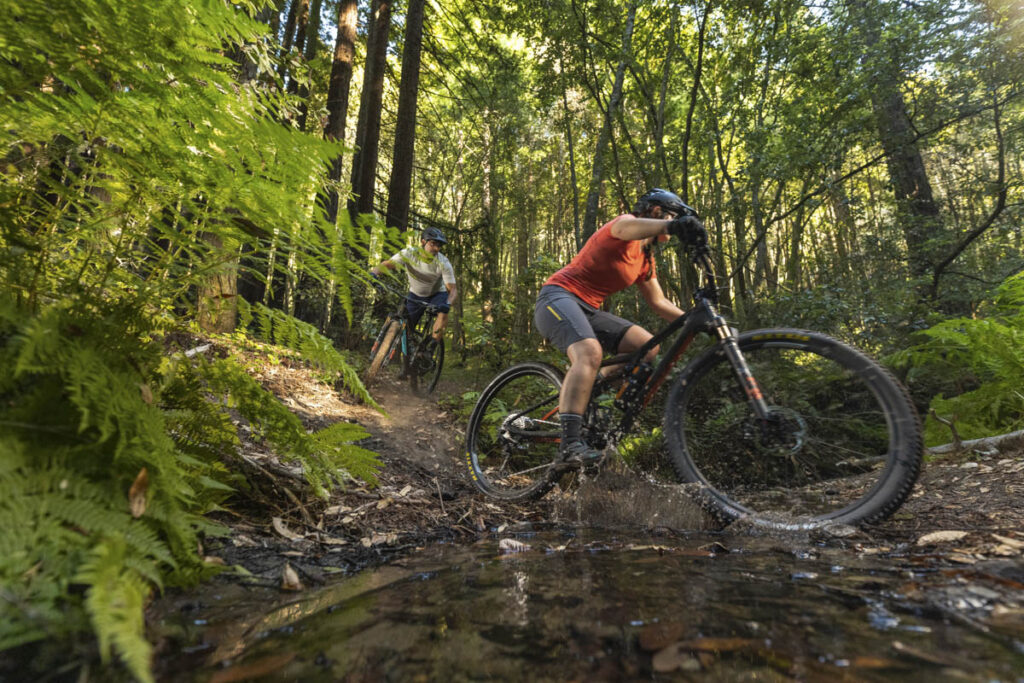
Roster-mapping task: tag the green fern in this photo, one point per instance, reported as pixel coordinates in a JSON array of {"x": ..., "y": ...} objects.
[
  {"x": 115, "y": 600},
  {"x": 277, "y": 327},
  {"x": 325, "y": 460},
  {"x": 981, "y": 364}
]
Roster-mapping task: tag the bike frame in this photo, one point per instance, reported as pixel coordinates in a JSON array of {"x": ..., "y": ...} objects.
[
  {"x": 703, "y": 317},
  {"x": 423, "y": 325}
]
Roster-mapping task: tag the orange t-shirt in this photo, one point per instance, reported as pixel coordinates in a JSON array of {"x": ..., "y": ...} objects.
[{"x": 604, "y": 266}]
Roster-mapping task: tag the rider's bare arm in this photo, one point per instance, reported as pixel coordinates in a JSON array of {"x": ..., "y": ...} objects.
[
  {"x": 383, "y": 265},
  {"x": 632, "y": 228},
  {"x": 453, "y": 293},
  {"x": 656, "y": 299}
]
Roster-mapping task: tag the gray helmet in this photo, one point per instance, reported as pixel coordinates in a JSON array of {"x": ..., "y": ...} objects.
[
  {"x": 669, "y": 201},
  {"x": 433, "y": 234}
]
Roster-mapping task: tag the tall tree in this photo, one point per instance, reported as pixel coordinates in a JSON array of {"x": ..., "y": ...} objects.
[
  {"x": 312, "y": 43},
  {"x": 597, "y": 172},
  {"x": 337, "y": 96},
  {"x": 364, "y": 162},
  {"x": 917, "y": 211},
  {"x": 405, "y": 125}
]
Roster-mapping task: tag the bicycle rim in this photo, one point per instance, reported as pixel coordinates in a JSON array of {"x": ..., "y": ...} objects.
[
  {"x": 842, "y": 444},
  {"x": 514, "y": 433}
]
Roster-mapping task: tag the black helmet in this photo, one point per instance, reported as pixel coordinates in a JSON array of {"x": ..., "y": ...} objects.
[
  {"x": 433, "y": 234},
  {"x": 669, "y": 201}
]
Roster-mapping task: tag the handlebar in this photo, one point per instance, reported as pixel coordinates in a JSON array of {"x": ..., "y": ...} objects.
[{"x": 701, "y": 257}]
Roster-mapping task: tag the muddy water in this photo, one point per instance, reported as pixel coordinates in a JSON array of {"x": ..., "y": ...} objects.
[{"x": 571, "y": 604}]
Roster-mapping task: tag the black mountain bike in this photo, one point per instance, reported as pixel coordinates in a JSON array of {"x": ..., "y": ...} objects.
[
  {"x": 786, "y": 428},
  {"x": 422, "y": 358}
]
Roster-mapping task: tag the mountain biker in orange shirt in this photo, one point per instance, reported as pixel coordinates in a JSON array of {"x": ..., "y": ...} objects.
[{"x": 568, "y": 312}]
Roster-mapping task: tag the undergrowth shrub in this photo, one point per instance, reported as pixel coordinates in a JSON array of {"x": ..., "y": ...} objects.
[
  {"x": 113, "y": 452},
  {"x": 975, "y": 368},
  {"x": 140, "y": 159}
]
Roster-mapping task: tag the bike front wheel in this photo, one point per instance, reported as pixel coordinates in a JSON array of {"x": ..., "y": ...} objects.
[
  {"x": 842, "y": 442},
  {"x": 514, "y": 433}
]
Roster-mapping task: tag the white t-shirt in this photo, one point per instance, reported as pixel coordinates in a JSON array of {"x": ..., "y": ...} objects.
[{"x": 427, "y": 274}]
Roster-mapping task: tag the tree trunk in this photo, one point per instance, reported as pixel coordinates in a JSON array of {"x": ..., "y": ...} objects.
[
  {"x": 684, "y": 182},
  {"x": 312, "y": 41},
  {"x": 917, "y": 212},
  {"x": 916, "y": 209},
  {"x": 288, "y": 38},
  {"x": 364, "y": 162},
  {"x": 399, "y": 188},
  {"x": 301, "y": 22},
  {"x": 337, "y": 96},
  {"x": 597, "y": 175},
  {"x": 572, "y": 166},
  {"x": 217, "y": 301}
]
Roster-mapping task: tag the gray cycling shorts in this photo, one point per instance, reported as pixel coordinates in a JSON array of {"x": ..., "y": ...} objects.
[{"x": 564, "y": 319}]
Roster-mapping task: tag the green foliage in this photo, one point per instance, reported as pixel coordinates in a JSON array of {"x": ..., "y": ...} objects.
[
  {"x": 327, "y": 457},
  {"x": 277, "y": 327},
  {"x": 84, "y": 418},
  {"x": 976, "y": 368},
  {"x": 138, "y": 162}
]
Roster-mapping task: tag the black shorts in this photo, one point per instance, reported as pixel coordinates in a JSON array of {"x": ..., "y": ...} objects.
[{"x": 564, "y": 319}]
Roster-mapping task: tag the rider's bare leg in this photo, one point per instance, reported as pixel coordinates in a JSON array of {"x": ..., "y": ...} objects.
[
  {"x": 634, "y": 338},
  {"x": 584, "y": 359}
]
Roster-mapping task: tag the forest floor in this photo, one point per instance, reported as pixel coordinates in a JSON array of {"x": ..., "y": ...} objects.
[
  {"x": 424, "y": 495},
  {"x": 965, "y": 509}
]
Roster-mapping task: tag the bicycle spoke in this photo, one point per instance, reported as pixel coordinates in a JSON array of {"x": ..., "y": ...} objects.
[
  {"x": 828, "y": 450},
  {"x": 514, "y": 434}
]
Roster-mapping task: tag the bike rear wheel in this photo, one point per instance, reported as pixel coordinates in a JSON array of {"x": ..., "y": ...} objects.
[
  {"x": 424, "y": 367},
  {"x": 385, "y": 349},
  {"x": 842, "y": 444},
  {"x": 514, "y": 433}
]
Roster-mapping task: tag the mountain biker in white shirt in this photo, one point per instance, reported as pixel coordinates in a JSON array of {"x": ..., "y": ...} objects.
[{"x": 431, "y": 279}]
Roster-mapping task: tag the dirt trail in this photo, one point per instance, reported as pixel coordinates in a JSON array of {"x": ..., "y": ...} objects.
[{"x": 424, "y": 494}]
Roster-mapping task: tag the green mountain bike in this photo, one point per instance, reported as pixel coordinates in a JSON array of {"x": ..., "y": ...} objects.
[{"x": 787, "y": 428}]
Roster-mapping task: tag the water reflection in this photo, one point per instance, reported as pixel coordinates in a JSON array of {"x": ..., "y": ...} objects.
[{"x": 612, "y": 607}]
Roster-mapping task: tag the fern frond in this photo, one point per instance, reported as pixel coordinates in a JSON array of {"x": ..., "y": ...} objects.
[{"x": 114, "y": 599}]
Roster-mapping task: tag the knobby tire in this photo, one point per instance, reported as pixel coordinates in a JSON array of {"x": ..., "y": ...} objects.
[
  {"x": 384, "y": 350},
  {"x": 843, "y": 444},
  {"x": 423, "y": 382},
  {"x": 513, "y": 437}
]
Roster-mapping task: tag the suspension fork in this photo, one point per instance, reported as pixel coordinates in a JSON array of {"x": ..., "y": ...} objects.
[{"x": 730, "y": 343}]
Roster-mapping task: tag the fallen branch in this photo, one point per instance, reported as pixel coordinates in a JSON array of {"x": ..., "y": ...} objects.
[{"x": 984, "y": 442}]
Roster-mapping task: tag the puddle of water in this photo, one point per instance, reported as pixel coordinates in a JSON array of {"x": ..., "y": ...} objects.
[{"x": 585, "y": 605}]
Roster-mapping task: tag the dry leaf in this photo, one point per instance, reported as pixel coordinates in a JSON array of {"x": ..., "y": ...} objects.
[
  {"x": 720, "y": 644},
  {"x": 213, "y": 559},
  {"x": 332, "y": 540},
  {"x": 405, "y": 491},
  {"x": 147, "y": 393},
  {"x": 511, "y": 545},
  {"x": 1012, "y": 542},
  {"x": 654, "y": 637},
  {"x": 290, "y": 579},
  {"x": 281, "y": 528},
  {"x": 137, "y": 494},
  {"x": 941, "y": 537},
  {"x": 381, "y": 504}
]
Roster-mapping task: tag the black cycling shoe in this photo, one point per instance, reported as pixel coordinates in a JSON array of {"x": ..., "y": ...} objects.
[{"x": 577, "y": 453}]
